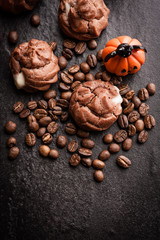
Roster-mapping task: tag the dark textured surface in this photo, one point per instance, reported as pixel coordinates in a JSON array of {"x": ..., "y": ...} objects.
[{"x": 43, "y": 199}]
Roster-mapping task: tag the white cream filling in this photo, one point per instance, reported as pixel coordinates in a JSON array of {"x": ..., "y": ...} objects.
[
  {"x": 118, "y": 99},
  {"x": 19, "y": 80},
  {"x": 67, "y": 6}
]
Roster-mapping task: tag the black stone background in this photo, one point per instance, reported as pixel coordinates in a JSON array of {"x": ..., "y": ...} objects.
[{"x": 44, "y": 199}]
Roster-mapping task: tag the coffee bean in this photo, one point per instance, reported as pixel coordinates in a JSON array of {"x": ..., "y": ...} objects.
[
  {"x": 54, "y": 154},
  {"x": 70, "y": 129},
  {"x": 73, "y": 69},
  {"x": 64, "y": 87},
  {"x": 143, "y": 136},
  {"x": 47, "y": 138},
  {"x": 75, "y": 85},
  {"x": 66, "y": 95},
  {"x": 130, "y": 94},
  {"x": 52, "y": 115},
  {"x": 123, "y": 121},
  {"x": 41, "y": 132},
  {"x": 75, "y": 160},
  {"x": 120, "y": 136},
  {"x": 92, "y": 60},
  {"x": 98, "y": 75},
  {"x": 125, "y": 102},
  {"x": 57, "y": 110},
  {"x": 10, "y": 127},
  {"x": 82, "y": 134},
  {"x": 73, "y": 146},
  {"x": 123, "y": 89},
  {"x": 30, "y": 139},
  {"x": 98, "y": 164},
  {"x": 44, "y": 150},
  {"x": 67, "y": 53},
  {"x": 53, "y": 45},
  {"x": 115, "y": 80},
  {"x": 106, "y": 76},
  {"x": 90, "y": 77},
  {"x": 114, "y": 148},
  {"x": 136, "y": 101},
  {"x": 33, "y": 126},
  {"x": 13, "y": 37},
  {"x": 131, "y": 130},
  {"x": 11, "y": 142},
  {"x": 85, "y": 152},
  {"x": 99, "y": 55},
  {"x": 92, "y": 44},
  {"x": 123, "y": 161},
  {"x": 87, "y": 162},
  {"x": 13, "y": 153},
  {"x": 133, "y": 116},
  {"x": 143, "y": 94},
  {"x": 79, "y": 77},
  {"x": 51, "y": 103},
  {"x": 149, "y": 121},
  {"x": 139, "y": 124},
  {"x": 61, "y": 141},
  {"x": 143, "y": 109},
  {"x": 69, "y": 44},
  {"x": 87, "y": 143},
  {"x": 80, "y": 48},
  {"x": 129, "y": 108},
  {"x": 62, "y": 62},
  {"x": 127, "y": 144},
  {"x": 50, "y": 94},
  {"x": 32, "y": 105},
  {"x": 85, "y": 68},
  {"x": 25, "y": 113},
  {"x": 66, "y": 77},
  {"x": 31, "y": 119},
  {"x": 108, "y": 138},
  {"x": 104, "y": 155},
  {"x": 18, "y": 107},
  {"x": 64, "y": 104},
  {"x": 64, "y": 116},
  {"x": 98, "y": 175},
  {"x": 52, "y": 127},
  {"x": 35, "y": 20},
  {"x": 151, "y": 87},
  {"x": 45, "y": 121},
  {"x": 42, "y": 104}
]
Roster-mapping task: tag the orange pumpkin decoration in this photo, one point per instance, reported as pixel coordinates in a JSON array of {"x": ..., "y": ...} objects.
[{"x": 123, "y": 55}]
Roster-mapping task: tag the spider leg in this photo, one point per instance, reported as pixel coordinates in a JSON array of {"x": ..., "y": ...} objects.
[
  {"x": 139, "y": 47},
  {"x": 111, "y": 55}
]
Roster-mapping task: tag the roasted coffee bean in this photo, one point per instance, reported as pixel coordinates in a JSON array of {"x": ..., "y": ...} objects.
[
  {"x": 99, "y": 75},
  {"x": 11, "y": 142},
  {"x": 25, "y": 113},
  {"x": 41, "y": 132},
  {"x": 98, "y": 164},
  {"x": 85, "y": 152},
  {"x": 123, "y": 121},
  {"x": 52, "y": 115},
  {"x": 31, "y": 119},
  {"x": 44, "y": 150},
  {"x": 57, "y": 110},
  {"x": 123, "y": 161},
  {"x": 143, "y": 109},
  {"x": 87, "y": 143},
  {"x": 40, "y": 113},
  {"x": 66, "y": 95},
  {"x": 120, "y": 136},
  {"x": 13, "y": 153},
  {"x": 139, "y": 124},
  {"x": 35, "y": 20},
  {"x": 104, "y": 155},
  {"x": 87, "y": 162},
  {"x": 70, "y": 129},
  {"x": 90, "y": 77},
  {"x": 66, "y": 77},
  {"x": 73, "y": 69},
  {"x": 143, "y": 94},
  {"x": 113, "y": 148},
  {"x": 99, "y": 55},
  {"x": 61, "y": 141},
  {"x": 62, "y": 62},
  {"x": 129, "y": 108},
  {"x": 42, "y": 104},
  {"x": 80, "y": 48},
  {"x": 151, "y": 87},
  {"x": 53, "y": 154},
  {"x": 64, "y": 116},
  {"x": 64, "y": 87},
  {"x": 143, "y": 136},
  {"x": 50, "y": 94},
  {"x": 69, "y": 44},
  {"x": 67, "y": 53},
  {"x": 125, "y": 102},
  {"x": 85, "y": 68},
  {"x": 82, "y": 134},
  {"x": 73, "y": 146},
  {"x": 130, "y": 94},
  {"x": 92, "y": 44},
  {"x": 149, "y": 121},
  {"x": 133, "y": 116},
  {"x": 75, "y": 160},
  {"x": 32, "y": 105},
  {"x": 92, "y": 60},
  {"x": 131, "y": 130},
  {"x": 13, "y": 37},
  {"x": 51, "y": 103},
  {"x": 45, "y": 121},
  {"x": 127, "y": 144},
  {"x": 53, "y": 45},
  {"x": 108, "y": 138},
  {"x": 123, "y": 89},
  {"x": 18, "y": 107},
  {"x": 52, "y": 127},
  {"x": 115, "y": 80},
  {"x": 79, "y": 77},
  {"x": 106, "y": 76},
  {"x": 75, "y": 84},
  {"x": 33, "y": 126},
  {"x": 136, "y": 101},
  {"x": 64, "y": 104},
  {"x": 10, "y": 127},
  {"x": 98, "y": 175},
  {"x": 47, "y": 138},
  {"x": 30, "y": 139}
]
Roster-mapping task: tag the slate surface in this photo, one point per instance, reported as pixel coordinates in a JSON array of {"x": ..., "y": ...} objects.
[{"x": 43, "y": 199}]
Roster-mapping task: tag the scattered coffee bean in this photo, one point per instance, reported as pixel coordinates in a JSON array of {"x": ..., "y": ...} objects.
[
  {"x": 108, "y": 138},
  {"x": 32, "y": 105},
  {"x": 25, "y": 113},
  {"x": 64, "y": 104},
  {"x": 143, "y": 109},
  {"x": 51, "y": 103},
  {"x": 106, "y": 76},
  {"x": 47, "y": 138},
  {"x": 61, "y": 141},
  {"x": 70, "y": 129},
  {"x": 64, "y": 116},
  {"x": 123, "y": 161},
  {"x": 131, "y": 130},
  {"x": 52, "y": 127},
  {"x": 67, "y": 53},
  {"x": 115, "y": 80},
  {"x": 45, "y": 121},
  {"x": 11, "y": 142},
  {"x": 136, "y": 101},
  {"x": 151, "y": 87},
  {"x": 149, "y": 121},
  {"x": 73, "y": 69},
  {"x": 10, "y": 127},
  {"x": 129, "y": 108},
  {"x": 120, "y": 136},
  {"x": 98, "y": 164},
  {"x": 104, "y": 155},
  {"x": 99, "y": 55},
  {"x": 133, "y": 116},
  {"x": 123, "y": 89},
  {"x": 75, "y": 84},
  {"x": 125, "y": 102},
  {"x": 50, "y": 94},
  {"x": 30, "y": 139},
  {"x": 127, "y": 144},
  {"x": 13, "y": 37},
  {"x": 85, "y": 68},
  {"x": 18, "y": 107},
  {"x": 62, "y": 62},
  {"x": 72, "y": 146},
  {"x": 53, "y": 45},
  {"x": 54, "y": 154},
  {"x": 41, "y": 132},
  {"x": 90, "y": 77},
  {"x": 85, "y": 152},
  {"x": 82, "y": 134},
  {"x": 123, "y": 121},
  {"x": 42, "y": 104},
  {"x": 99, "y": 75},
  {"x": 139, "y": 124},
  {"x": 69, "y": 44},
  {"x": 31, "y": 119},
  {"x": 114, "y": 148},
  {"x": 35, "y": 20},
  {"x": 143, "y": 136},
  {"x": 64, "y": 87},
  {"x": 143, "y": 94},
  {"x": 66, "y": 77},
  {"x": 44, "y": 150},
  {"x": 80, "y": 48},
  {"x": 130, "y": 94},
  {"x": 66, "y": 95},
  {"x": 92, "y": 44},
  {"x": 92, "y": 60},
  {"x": 98, "y": 175},
  {"x": 75, "y": 160},
  {"x": 52, "y": 115},
  {"x": 57, "y": 110},
  {"x": 87, "y": 162},
  {"x": 13, "y": 153},
  {"x": 33, "y": 126},
  {"x": 79, "y": 77},
  {"x": 87, "y": 143}
]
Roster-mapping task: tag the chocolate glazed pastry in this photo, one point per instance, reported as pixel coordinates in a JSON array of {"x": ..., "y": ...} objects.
[
  {"x": 95, "y": 105},
  {"x": 83, "y": 19},
  {"x": 34, "y": 66},
  {"x": 17, "y": 6}
]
